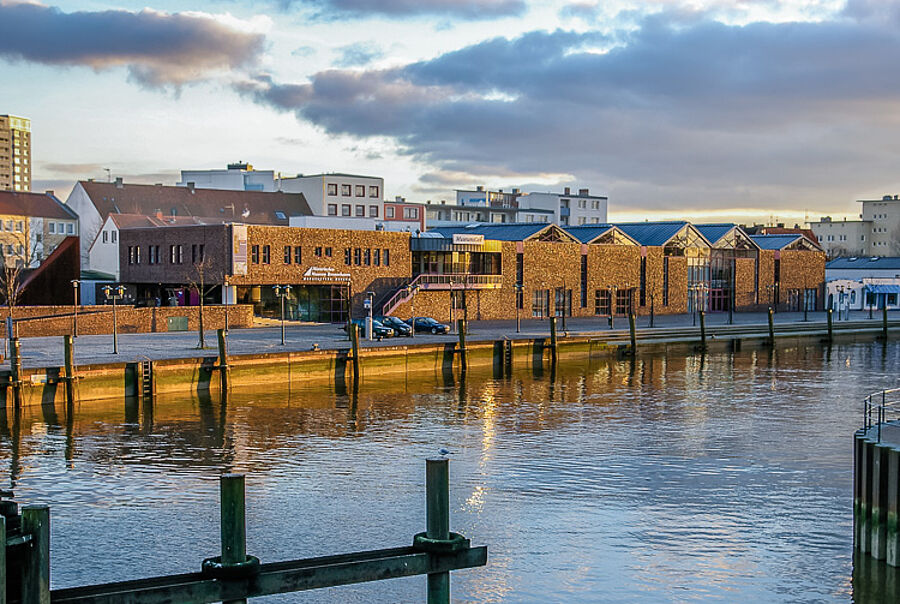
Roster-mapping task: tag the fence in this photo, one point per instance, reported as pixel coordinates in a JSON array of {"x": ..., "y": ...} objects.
[{"x": 880, "y": 408}]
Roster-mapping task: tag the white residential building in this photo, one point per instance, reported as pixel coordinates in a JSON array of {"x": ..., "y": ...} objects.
[
  {"x": 337, "y": 194},
  {"x": 565, "y": 209},
  {"x": 568, "y": 208},
  {"x": 235, "y": 177},
  {"x": 877, "y": 233}
]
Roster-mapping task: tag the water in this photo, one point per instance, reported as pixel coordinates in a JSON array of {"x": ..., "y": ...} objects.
[{"x": 670, "y": 480}]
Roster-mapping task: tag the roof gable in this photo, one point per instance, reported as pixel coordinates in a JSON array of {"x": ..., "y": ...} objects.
[
  {"x": 600, "y": 234},
  {"x": 785, "y": 242}
]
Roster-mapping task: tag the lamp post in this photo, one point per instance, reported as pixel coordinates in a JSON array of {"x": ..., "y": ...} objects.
[
  {"x": 114, "y": 294},
  {"x": 75, "y": 284},
  {"x": 411, "y": 294},
  {"x": 282, "y": 292},
  {"x": 370, "y": 298},
  {"x": 518, "y": 287},
  {"x": 870, "y": 298},
  {"x": 840, "y": 290}
]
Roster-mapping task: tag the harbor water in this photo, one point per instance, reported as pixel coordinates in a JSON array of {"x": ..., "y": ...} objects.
[{"x": 664, "y": 479}]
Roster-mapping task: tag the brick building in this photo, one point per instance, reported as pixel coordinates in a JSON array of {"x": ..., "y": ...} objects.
[{"x": 485, "y": 271}]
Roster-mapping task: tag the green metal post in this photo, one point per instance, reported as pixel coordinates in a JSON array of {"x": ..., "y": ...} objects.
[
  {"x": 15, "y": 365},
  {"x": 36, "y": 568},
  {"x": 830, "y": 324},
  {"x": 2, "y": 559},
  {"x": 884, "y": 321},
  {"x": 354, "y": 338},
  {"x": 223, "y": 360},
  {"x": 69, "y": 348},
  {"x": 632, "y": 328},
  {"x": 461, "y": 328},
  {"x": 771, "y": 327},
  {"x": 233, "y": 523},
  {"x": 702, "y": 330},
  {"x": 437, "y": 521},
  {"x": 553, "y": 340}
]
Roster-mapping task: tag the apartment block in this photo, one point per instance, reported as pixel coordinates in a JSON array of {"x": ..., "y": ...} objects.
[
  {"x": 877, "y": 233},
  {"x": 15, "y": 153}
]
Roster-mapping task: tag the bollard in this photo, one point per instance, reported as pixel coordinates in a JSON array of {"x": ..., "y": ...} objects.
[
  {"x": 633, "y": 329},
  {"x": 830, "y": 324},
  {"x": 69, "y": 349},
  {"x": 2, "y": 559},
  {"x": 884, "y": 321},
  {"x": 702, "y": 330},
  {"x": 462, "y": 328},
  {"x": 223, "y": 360},
  {"x": 437, "y": 521},
  {"x": 15, "y": 364},
  {"x": 553, "y": 340},
  {"x": 36, "y": 566},
  {"x": 354, "y": 340},
  {"x": 771, "y": 327}
]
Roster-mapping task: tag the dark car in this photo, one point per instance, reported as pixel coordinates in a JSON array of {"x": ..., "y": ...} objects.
[
  {"x": 379, "y": 331},
  {"x": 427, "y": 324},
  {"x": 400, "y": 327}
]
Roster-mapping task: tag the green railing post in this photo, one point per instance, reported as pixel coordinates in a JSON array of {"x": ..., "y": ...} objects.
[
  {"x": 830, "y": 324},
  {"x": 36, "y": 567},
  {"x": 884, "y": 321},
  {"x": 233, "y": 523},
  {"x": 2, "y": 559},
  {"x": 354, "y": 340},
  {"x": 553, "y": 339},
  {"x": 69, "y": 350},
  {"x": 633, "y": 329},
  {"x": 462, "y": 327},
  {"x": 771, "y": 327},
  {"x": 223, "y": 360},
  {"x": 437, "y": 521},
  {"x": 702, "y": 330}
]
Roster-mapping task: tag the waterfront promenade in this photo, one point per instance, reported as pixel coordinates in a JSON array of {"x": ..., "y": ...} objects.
[{"x": 95, "y": 349}]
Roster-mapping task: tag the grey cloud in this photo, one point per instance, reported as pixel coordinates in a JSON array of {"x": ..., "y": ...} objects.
[
  {"x": 358, "y": 54},
  {"x": 460, "y": 9},
  {"x": 671, "y": 113},
  {"x": 158, "y": 49}
]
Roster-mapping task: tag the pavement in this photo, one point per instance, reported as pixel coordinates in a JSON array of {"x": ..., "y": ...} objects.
[{"x": 95, "y": 349}]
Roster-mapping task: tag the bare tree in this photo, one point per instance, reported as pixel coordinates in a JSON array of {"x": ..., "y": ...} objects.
[
  {"x": 198, "y": 282},
  {"x": 15, "y": 259}
]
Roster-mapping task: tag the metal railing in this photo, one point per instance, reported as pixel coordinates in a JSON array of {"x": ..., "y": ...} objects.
[
  {"x": 442, "y": 281},
  {"x": 880, "y": 408}
]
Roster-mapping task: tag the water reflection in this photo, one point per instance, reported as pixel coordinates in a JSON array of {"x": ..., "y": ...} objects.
[{"x": 723, "y": 476}]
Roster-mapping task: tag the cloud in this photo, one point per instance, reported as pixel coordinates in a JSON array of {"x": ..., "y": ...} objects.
[
  {"x": 358, "y": 54},
  {"x": 157, "y": 48},
  {"x": 461, "y": 9},
  {"x": 697, "y": 111}
]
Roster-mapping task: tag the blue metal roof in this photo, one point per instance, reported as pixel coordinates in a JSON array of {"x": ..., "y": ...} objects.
[
  {"x": 866, "y": 263},
  {"x": 714, "y": 232},
  {"x": 651, "y": 233},
  {"x": 774, "y": 242},
  {"x": 588, "y": 232},
  {"x": 514, "y": 231},
  {"x": 883, "y": 288}
]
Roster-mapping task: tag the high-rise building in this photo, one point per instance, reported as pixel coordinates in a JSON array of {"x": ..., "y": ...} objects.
[{"x": 15, "y": 153}]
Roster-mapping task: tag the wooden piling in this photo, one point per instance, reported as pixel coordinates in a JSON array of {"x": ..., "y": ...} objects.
[
  {"x": 2, "y": 559},
  {"x": 884, "y": 321},
  {"x": 702, "y": 331},
  {"x": 830, "y": 324},
  {"x": 461, "y": 328},
  {"x": 554, "y": 343},
  {"x": 632, "y": 328},
  {"x": 354, "y": 342},
  {"x": 223, "y": 360},
  {"x": 15, "y": 364},
  {"x": 36, "y": 566},
  {"x": 69, "y": 350},
  {"x": 771, "y": 327},
  {"x": 437, "y": 521},
  {"x": 233, "y": 523}
]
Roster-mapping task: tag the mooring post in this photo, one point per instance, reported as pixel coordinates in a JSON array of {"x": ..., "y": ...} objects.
[
  {"x": 69, "y": 350},
  {"x": 15, "y": 365},
  {"x": 223, "y": 360},
  {"x": 771, "y": 327},
  {"x": 553, "y": 340},
  {"x": 2, "y": 559},
  {"x": 702, "y": 330},
  {"x": 354, "y": 339},
  {"x": 36, "y": 566},
  {"x": 633, "y": 329},
  {"x": 437, "y": 521},
  {"x": 884, "y": 321},
  {"x": 830, "y": 324},
  {"x": 462, "y": 328},
  {"x": 233, "y": 523}
]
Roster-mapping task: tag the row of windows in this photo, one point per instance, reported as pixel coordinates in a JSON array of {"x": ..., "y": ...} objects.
[
  {"x": 360, "y": 190},
  {"x": 408, "y": 213},
  {"x": 176, "y": 254},
  {"x": 61, "y": 228},
  {"x": 18, "y": 226},
  {"x": 367, "y": 257},
  {"x": 346, "y": 210},
  {"x": 109, "y": 236}
]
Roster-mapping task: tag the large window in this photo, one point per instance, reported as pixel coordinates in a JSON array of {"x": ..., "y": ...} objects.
[
  {"x": 540, "y": 303},
  {"x": 266, "y": 255},
  {"x": 254, "y": 254},
  {"x": 298, "y": 254},
  {"x": 623, "y": 297},
  {"x": 287, "y": 254},
  {"x": 584, "y": 281},
  {"x": 562, "y": 303},
  {"x": 644, "y": 281},
  {"x": 601, "y": 301}
]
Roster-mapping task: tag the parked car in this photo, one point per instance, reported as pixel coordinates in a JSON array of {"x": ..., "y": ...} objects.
[
  {"x": 379, "y": 331},
  {"x": 400, "y": 327},
  {"x": 427, "y": 324}
]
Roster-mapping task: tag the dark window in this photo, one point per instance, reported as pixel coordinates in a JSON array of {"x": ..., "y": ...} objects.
[
  {"x": 328, "y": 252},
  {"x": 373, "y": 211},
  {"x": 622, "y": 297},
  {"x": 332, "y": 189},
  {"x": 332, "y": 209},
  {"x": 345, "y": 209},
  {"x": 665, "y": 291},
  {"x": 360, "y": 190},
  {"x": 357, "y": 256},
  {"x": 360, "y": 210},
  {"x": 345, "y": 190},
  {"x": 540, "y": 303},
  {"x": 386, "y": 257},
  {"x": 193, "y": 253},
  {"x": 287, "y": 254},
  {"x": 266, "y": 254},
  {"x": 777, "y": 274},
  {"x": 373, "y": 192},
  {"x": 254, "y": 254},
  {"x": 644, "y": 281},
  {"x": 520, "y": 279},
  {"x": 584, "y": 281},
  {"x": 601, "y": 302},
  {"x": 377, "y": 259},
  {"x": 562, "y": 302},
  {"x": 367, "y": 257},
  {"x": 202, "y": 254},
  {"x": 318, "y": 251},
  {"x": 298, "y": 255},
  {"x": 348, "y": 256}
]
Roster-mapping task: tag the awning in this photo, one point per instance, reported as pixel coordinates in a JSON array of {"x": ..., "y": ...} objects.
[{"x": 882, "y": 288}]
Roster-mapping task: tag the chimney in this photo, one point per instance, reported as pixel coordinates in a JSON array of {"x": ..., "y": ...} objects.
[
  {"x": 479, "y": 188},
  {"x": 190, "y": 186},
  {"x": 159, "y": 214},
  {"x": 515, "y": 191},
  {"x": 48, "y": 192},
  {"x": 583, "y": 192},
  {"x": 567, "y": 191},
  {"x": 119, "y": 183}
]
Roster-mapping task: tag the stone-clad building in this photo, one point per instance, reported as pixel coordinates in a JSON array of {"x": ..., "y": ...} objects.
[{"x": 484, "y": 271}]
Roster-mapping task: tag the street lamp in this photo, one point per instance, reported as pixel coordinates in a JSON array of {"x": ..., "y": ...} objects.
[
  {"x": 411, "y": 294},
  {"x": 282, "y": 292},
  {"x": 75, "y": 284},
  {"x": 840, "y": 290},
  {"x": 368, "y": 304},
  {"x": 519, "y": 288},
  {"x": 114, "y": 293}
]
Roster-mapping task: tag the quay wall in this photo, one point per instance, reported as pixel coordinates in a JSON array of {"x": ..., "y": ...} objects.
[{"x": 876, "y": 492}]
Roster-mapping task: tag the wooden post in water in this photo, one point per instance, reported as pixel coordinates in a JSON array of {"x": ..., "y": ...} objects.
[
  {"x": 828, "y": 314},
  {"x": 2, "y": 559},
  {"x": 69, "y": 350},
  {"x": 462, "y": 327},
  {"x": 553, "y": 340},
  {"x": 771, "y": 327},
  {"x": 233, "y": 523},
  {"x": 15, "y": 365},
  {"x": 437, "y": 521},
  {"x": 884, "y": 321},
  {"x": 223, "y": 360},
  {"x": 36, "y": 566},
  {"x": 354, "y": 341},
  {"x": 703, "y": 331},
  {"x": 633, "y": 329}
]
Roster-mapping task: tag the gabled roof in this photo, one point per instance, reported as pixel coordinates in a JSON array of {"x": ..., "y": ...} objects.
[
  {"x": 253, "y": 207},
  {"x": 653, "y": 233},
  {"x": 35, "y": 205},
  {"x": 714, "y": 232},
  {"x": 779, "y": 242},
  {"x": 589, "y": 233},
  {"x": 511, "y": 231},
  {"x": 866, "y": 263}
]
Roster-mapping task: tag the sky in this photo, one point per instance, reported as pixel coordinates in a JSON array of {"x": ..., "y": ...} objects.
[{"x": 744, "y": 110}]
